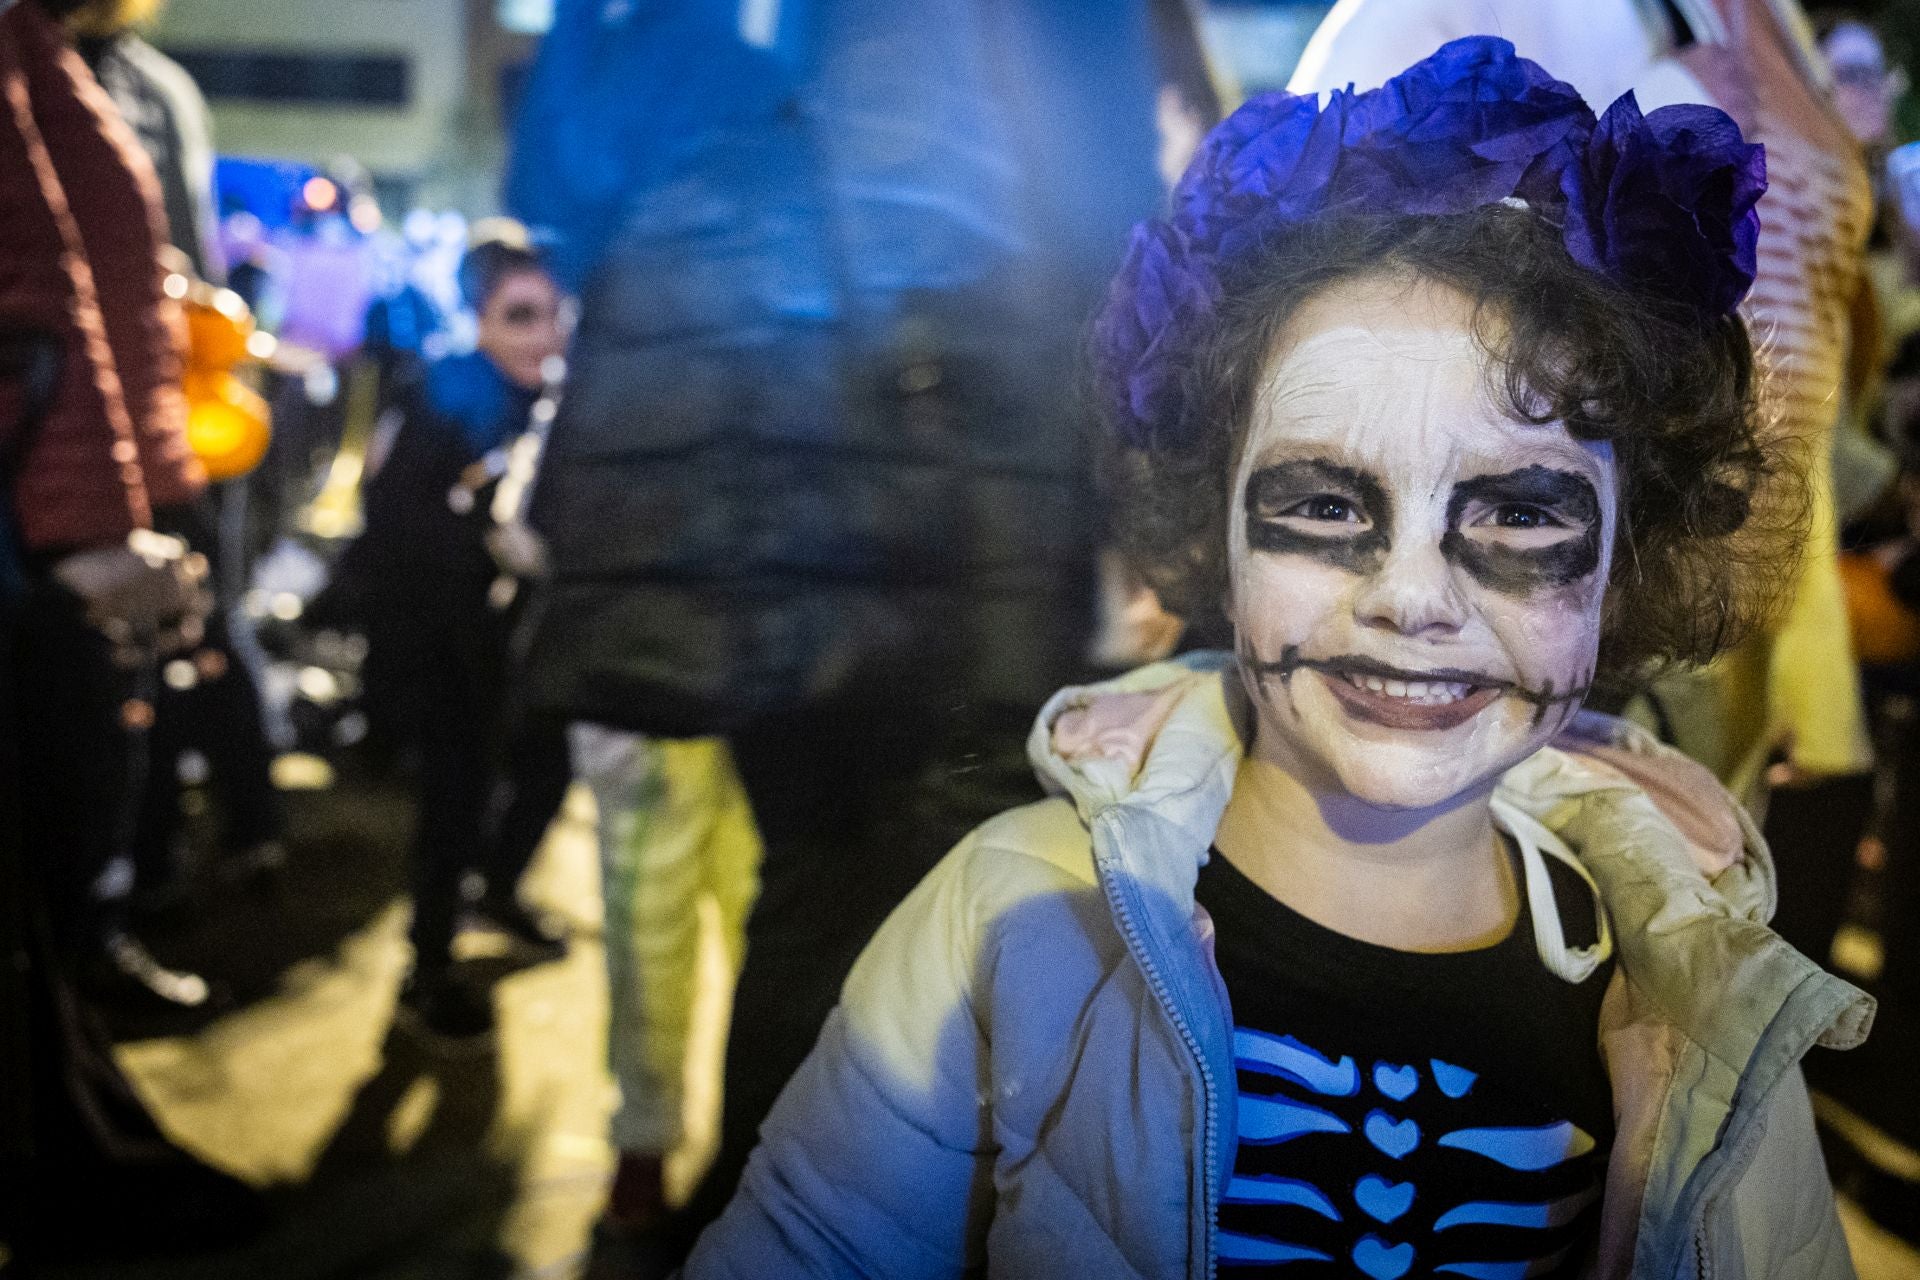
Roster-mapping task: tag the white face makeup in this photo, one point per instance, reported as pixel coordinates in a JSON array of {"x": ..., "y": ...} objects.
[{"x": 1416, "y": 577}]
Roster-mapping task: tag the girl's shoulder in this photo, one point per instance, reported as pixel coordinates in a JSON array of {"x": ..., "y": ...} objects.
[
  {"x": 1025, "y": 873},
  {"x": 1046, "y": 838}
]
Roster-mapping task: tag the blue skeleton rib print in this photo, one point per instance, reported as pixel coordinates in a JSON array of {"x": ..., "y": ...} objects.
[
  {"x": 1394, "y": 1118},
  {"x": 1403, "y": 1114}
]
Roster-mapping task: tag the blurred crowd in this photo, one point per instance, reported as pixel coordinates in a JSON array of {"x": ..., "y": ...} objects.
[{"x": 740, "y": 477}]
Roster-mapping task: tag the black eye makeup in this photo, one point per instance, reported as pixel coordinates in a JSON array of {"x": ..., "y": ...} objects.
[
  {"x": 1311, "y": 507},
  {"x": 1501, "y": 529}
]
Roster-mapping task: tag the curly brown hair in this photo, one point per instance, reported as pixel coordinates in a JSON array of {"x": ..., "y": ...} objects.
[{"x": 1712, "y": 504}]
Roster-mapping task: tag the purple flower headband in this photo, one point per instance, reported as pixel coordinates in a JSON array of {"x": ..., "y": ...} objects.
[{"x": 1662, "y": 203}]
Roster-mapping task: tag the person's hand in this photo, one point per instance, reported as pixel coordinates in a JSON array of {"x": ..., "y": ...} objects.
[
  {"x": 1131, "y": 628},
  {"x": 518, "y": 550},
  {"x": 147, "y": 594}
]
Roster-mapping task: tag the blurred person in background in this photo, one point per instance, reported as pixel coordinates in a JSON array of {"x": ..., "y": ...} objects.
[
  {"x": 209, "y": 699},
  {"x": 1863, "y": 89},
  {"x": 1883, "y": 589},
  {"x": 1882, "y": 569},
  {"x": 108, "y": 193},
  {"x": 90, "y": 598},
  {"x": 1886, "y": 310},
  {"x": 1864, "y": 86},
  {"x": 422, "y": 580},
  {"x": 1780, "y": 719},
  {"x": 818, "y": 484},
  {"x": 165, "y": 109}
]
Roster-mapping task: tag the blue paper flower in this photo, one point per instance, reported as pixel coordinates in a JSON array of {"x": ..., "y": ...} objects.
[
  {"x": 1473, "y": 124},
  {"x": 1668, "y": 203},
  {"x": 1270, "y": 162},
  {"x": 1157, "y": 300}
]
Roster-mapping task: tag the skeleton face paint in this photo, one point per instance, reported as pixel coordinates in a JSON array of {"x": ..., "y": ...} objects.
[{"x": 1416, "y": 577}]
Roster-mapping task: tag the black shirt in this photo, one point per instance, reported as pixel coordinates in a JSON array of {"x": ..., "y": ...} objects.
[{"x": 1405, "y": 1114}]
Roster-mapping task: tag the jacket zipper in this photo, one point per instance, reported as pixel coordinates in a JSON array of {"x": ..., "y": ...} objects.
[
  {"x": 1157, "y": 984},
  {"x": 1735, "y": 1165}
]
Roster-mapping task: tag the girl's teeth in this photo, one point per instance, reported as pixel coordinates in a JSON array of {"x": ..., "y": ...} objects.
[{"x": 1427, "y": 691}]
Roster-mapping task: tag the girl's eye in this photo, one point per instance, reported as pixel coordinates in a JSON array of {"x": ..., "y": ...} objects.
[
  {"x": 1520, "y": 515},
  {"x": 1326, "y": 506}
]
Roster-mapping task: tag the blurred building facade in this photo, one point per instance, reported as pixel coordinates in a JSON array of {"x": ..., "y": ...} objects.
[
  {"x": 420, "y": 92},
  {"x": 416, "y": 91}
]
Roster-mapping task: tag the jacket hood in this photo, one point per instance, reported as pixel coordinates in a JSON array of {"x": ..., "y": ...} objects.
[
  {"x": 1175, "y": 731},
  {"x": 1681, "y": 869}
]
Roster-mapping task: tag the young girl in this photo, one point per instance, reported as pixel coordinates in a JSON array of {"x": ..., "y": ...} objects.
[{"x": 1364, "y": 951}]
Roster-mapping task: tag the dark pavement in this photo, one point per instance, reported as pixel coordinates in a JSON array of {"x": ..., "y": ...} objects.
[{"x": 383, "y": 1155}]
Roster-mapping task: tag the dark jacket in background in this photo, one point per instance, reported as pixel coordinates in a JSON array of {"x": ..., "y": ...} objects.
[
  {"x": 419, "y": 566},
  {"x": 167, "y": 113},
  {"x": 821, "y": 431}
]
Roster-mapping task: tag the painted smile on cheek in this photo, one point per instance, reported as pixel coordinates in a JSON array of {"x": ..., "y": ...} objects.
[
  {"x": 1523, "y": 531},
  {"x": 1435, "y": 699},
  {"x": 1310, "y": 507}
]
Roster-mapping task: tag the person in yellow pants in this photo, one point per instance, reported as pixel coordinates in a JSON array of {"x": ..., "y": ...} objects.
[{"x": 675, "y": 827}]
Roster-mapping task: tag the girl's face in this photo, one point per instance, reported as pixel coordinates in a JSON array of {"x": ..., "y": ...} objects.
[{"x": 1415, "y": 576}]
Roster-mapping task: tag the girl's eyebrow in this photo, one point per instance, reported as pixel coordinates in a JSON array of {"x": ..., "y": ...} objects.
[{"x": 1307, "y": 472}]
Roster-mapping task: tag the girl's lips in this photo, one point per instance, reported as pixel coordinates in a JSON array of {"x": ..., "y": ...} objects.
[{"x": 1404, "y": 713}]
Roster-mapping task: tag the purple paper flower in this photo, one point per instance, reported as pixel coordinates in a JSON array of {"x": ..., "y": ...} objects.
[
  {"x": 1668, "y": 203},
  {"x": 1152, "y": 311},
  {"x": 1473, "y": 124}
]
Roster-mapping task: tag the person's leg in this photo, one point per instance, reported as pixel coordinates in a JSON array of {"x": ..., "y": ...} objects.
[
  {"x": 655, "y": 817},
  {"x": 87, "y": 718},
  {"x": 455, "y": 763},
  {"x": 732, "y": 853},
  {"x": 854, "y": 803},
  {"x": 1900, "y": 974},
  {"x": 535, "y": 775},
  {"x": 821, "y": 782},
  {"x": 156, "y": 871},
  {"x": 453, "y": 789},
  {"x": 219, "y": 714},
  {"x": 730, "y": 861},
  {"x": 74, "y": 1133},
  {"x": 81, "y": 716},
  {"x": 697, "y": 838},
  {"x": 234, "y": 739}
]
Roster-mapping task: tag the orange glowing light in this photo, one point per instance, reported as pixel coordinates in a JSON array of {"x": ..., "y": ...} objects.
[{"x": 319, "y": 193}]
